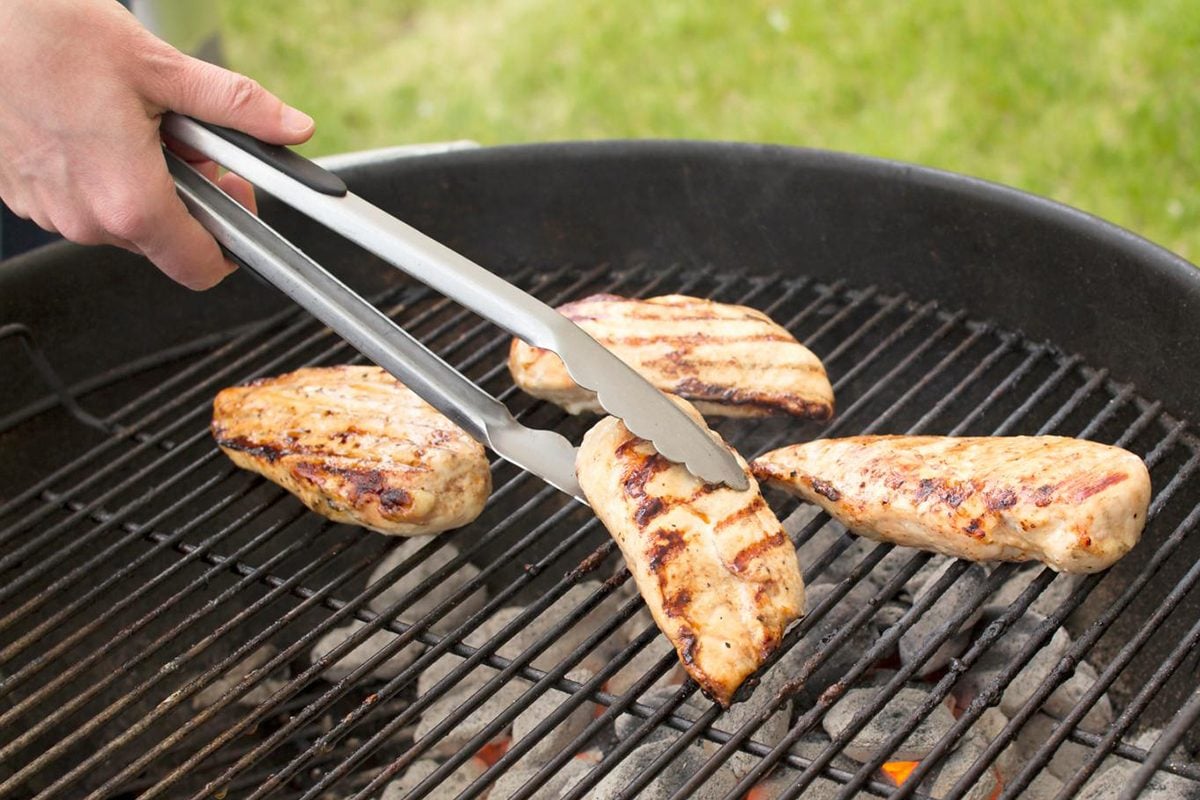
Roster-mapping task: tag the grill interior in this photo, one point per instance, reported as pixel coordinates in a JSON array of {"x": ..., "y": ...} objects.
[{"x": 142, "y": 572}]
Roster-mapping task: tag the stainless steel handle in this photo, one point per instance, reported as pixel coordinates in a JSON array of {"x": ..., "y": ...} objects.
[
  {"x": 620, "y": 389},
  {"x": 427, "y": 260},
  {"x": 252, "y": 242}
]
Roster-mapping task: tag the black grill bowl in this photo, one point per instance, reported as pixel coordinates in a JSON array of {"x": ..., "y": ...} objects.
[{"x": 910, "y": 280}]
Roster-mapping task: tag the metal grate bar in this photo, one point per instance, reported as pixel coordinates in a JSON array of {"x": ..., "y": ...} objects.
[
  {"x": 630, "y": 742},
  {"x": 887, "y": 380},
  {"x": 968, "y": 380},
  {"x": 1182, "y": 722},
  {"x": 61, "y": 711},
  {"x": 160, "y": 358},
  {"x": 867, "y": 770},
  {"x": 1054, "y": 620},
  {"x": 1125, "y": 720},
  {"x": 922, "y": 349},
  {"x": 60, "y": 616},
  {"x": 46, "y": 565},
  {"x": 142, "y": 725},
  {"x": 329, "y": 623},
  {"x": 400, "y": 642},
  {"x": 49, "y": 375},
  {"x": 1186, "y": 769},
  {"x": 452, "y": 678},
  {"x": 112, "y": 549}
]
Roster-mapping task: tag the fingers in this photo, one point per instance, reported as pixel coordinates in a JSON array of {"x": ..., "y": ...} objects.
[
  {"x": 216, "y": 95},
  {"x": 242, "y": 192},
  {"x": 148, "y": 215},
  {"x": 239, "y": 189}
]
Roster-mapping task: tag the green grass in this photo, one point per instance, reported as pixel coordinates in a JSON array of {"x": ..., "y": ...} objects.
[{"x": 1094, "y": 104}]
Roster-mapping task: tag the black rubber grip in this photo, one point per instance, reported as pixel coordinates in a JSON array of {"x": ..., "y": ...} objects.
[{"x": 286, "y": 161}]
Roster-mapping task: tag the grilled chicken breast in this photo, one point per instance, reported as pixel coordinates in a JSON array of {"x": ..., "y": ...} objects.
[
  {"x": 1074, "y": 505},
  {"x": 356, "y": 446},
  {"x": 728, "y": 360},
  {"x": 713, "y": 564}
]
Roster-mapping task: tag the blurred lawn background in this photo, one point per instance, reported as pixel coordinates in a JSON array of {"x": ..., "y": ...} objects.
[{"x": 1094, "y": 104}]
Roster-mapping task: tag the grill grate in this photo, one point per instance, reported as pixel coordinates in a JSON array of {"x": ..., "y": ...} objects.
[{"x": 146, "y": 569}]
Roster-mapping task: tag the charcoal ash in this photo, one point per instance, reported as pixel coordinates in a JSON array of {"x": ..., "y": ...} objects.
[
  {"x": 437, "y": 595},
  {"x": 1115, "y": 772},
  {"x": 1044, "y": 787},
  {"x": 931, "y": 624},
  {"x": 889, "y": 614},
  {"x": 837, "y": 661},
  {"x": 449, "y": 788},
  {"x": 868, "y": 741},
  {"x": 691, "y": 709},
  {"x": 385, "y": 670},
  {"x": 954, "y": 766},
  {"x": 645, "y": 659},
  {"x": 989, "y": 726},
  {"x": 1046, "y": 603},
  {"x": 561, "y": 734},
  {"x": 821, "y": 788},
  {"x": 1069, "y": 694},
  {"x": 990, "y": 666},
  {"x": 810, "y": 746},
  {"x": 498, "y": 701},
  {"x": 671, "y": 778},
  {"x": 505, "y": 695},
  {"x": 766, "y": 696},
  {"x": 259, "y": 692},
  {"x": 1069, "y": 757},
  {"x": 1162, "y": 785},
  {"x": 814, "y": 743},
  {"x": 558, "y": 785}
]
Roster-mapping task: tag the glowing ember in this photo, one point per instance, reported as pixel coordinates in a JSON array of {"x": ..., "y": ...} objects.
[
  {"x": 899, "y": 771},
  {"x": 491, "y": 752},
  {"x": 758, "y": 792}
]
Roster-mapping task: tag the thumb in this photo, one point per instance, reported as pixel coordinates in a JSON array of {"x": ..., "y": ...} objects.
[{"x": 212, "y": 94}]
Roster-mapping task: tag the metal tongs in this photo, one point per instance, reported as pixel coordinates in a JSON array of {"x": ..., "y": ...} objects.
[{"x": 323, "y": 196}]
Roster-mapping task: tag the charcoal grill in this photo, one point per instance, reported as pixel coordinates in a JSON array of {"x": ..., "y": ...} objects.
[{"x": 140, "y": 568}]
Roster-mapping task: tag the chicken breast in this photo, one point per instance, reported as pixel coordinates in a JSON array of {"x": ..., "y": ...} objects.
[
  {"x": 356, "y": 446},
  {"x": 1074, "y": 505},
  {"x": 714, "y": 565},
  {"x": 730, "y": 361}
]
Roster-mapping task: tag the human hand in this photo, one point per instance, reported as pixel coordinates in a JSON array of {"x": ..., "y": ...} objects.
[{"x": 82, "y": 88}]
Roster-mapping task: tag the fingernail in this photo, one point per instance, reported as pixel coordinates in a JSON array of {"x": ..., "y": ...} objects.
[{"x": 296, "y": 121}]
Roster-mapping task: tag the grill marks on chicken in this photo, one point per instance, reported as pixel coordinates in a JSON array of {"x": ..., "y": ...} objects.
[
  {"x": 714, "y": 565},
  {"x": 356, "y": 446},
  {"x": 728, "y": 360},
  {"x": 1075, "y": 505}
]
